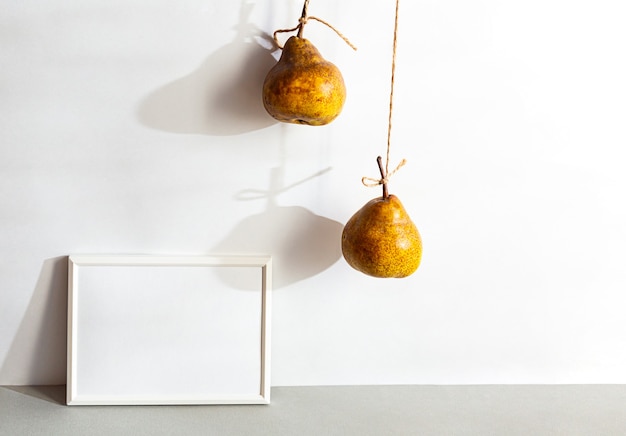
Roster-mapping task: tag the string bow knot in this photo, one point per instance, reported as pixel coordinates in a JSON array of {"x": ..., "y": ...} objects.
[{"x": 372, "y": 182}]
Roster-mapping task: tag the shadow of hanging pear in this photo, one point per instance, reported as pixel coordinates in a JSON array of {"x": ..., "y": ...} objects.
[
  {"x": 222, "y": 96},
  {"x": 301, "y": 243}
]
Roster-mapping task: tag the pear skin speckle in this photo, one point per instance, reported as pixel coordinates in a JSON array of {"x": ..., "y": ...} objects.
[{"x": 380, "y": 240}]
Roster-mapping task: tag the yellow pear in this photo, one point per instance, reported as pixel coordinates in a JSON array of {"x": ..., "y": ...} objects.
[
  {"x": 380, "y": 239},
  {"x": 303, "y": 87}
]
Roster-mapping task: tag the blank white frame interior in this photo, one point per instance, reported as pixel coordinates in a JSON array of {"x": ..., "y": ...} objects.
[{"x": 168, "y": 330}]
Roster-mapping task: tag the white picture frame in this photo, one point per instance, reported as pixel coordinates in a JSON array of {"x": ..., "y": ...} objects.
[{"x": 167, "y": 330}]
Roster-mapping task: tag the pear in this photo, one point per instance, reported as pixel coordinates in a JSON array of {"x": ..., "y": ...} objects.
[
  {"x": 381, "y": 240},
  {"x": 303, "y": 87}
]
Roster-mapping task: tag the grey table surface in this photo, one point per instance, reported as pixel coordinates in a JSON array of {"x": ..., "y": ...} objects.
[{"x": 339, "y": 410}]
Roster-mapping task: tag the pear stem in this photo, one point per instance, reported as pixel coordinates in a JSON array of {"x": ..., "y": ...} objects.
[
  {"x": 383, "y": 177},
  {"x": 303, "y": 18}
]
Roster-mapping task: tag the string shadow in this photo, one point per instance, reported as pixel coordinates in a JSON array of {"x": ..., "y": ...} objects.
[
  {"x": 301, "y": 243},
  {"x": 222, "y": 97}
]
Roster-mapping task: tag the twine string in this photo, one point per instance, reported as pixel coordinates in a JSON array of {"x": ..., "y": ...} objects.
[
  {"x": 304, "y": 19},
  {"x": 370, "y": 181}
]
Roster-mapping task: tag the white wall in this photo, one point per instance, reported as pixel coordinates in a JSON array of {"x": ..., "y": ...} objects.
[{"x": 136, "y": 127}]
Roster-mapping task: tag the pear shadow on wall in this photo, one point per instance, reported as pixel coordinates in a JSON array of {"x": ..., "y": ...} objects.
[
  {"x": 223, "y": 96},
  {"x": 301, "y": 243},
  {"x": 38, "y": 353}
]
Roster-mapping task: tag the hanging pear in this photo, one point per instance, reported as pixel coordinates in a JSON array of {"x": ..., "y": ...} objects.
[
  {"x": 303, "y": 87},
  {"x": 380, "y": 239}
]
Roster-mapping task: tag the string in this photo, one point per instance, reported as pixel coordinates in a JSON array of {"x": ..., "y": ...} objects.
[
  {"x": 370, "y": 181},
  {"x": 393, "y": 80},
  {"x": 304, "y": 18}
]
